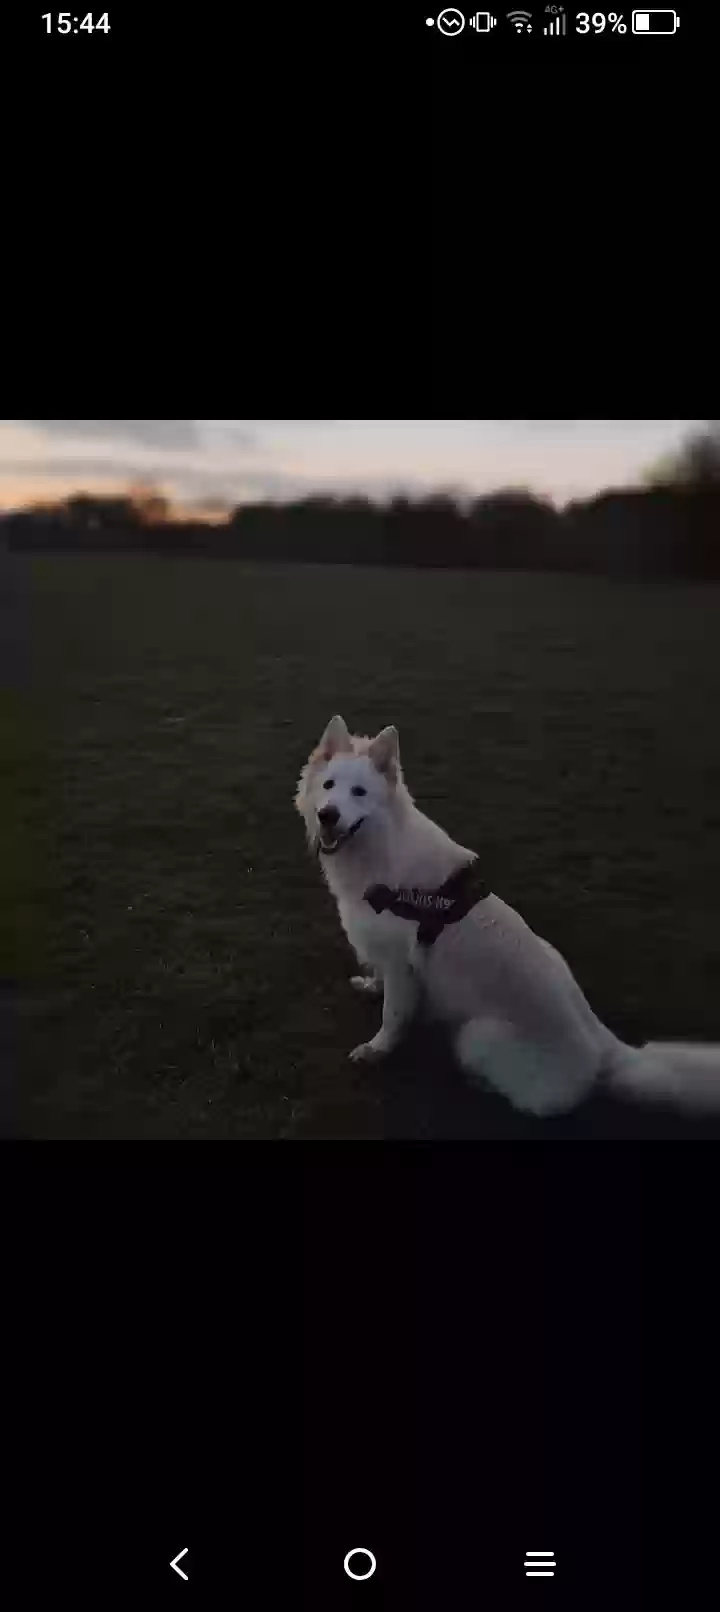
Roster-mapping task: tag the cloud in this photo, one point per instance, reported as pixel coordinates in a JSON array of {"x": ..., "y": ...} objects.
[
  {"x": 174, "y": 434},
  {"x": 82, "y": 468},
  {"x": 196, "y": 481}
]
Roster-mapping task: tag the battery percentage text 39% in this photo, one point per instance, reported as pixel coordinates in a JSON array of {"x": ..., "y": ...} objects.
[{"x": 597, "y": 21}]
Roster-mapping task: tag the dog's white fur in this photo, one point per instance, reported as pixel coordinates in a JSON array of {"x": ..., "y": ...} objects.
[{"x": 520, "y": 1020}]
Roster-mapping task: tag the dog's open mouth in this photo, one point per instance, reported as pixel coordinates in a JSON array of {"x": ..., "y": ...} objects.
[{"x": 331, "y": 840}]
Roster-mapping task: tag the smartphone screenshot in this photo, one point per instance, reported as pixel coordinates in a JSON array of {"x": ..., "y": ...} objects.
[{"x": 359, "y": 792}]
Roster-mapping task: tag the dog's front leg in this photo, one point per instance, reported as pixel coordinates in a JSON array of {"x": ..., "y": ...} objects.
[{"x": 399, "y": 1003}]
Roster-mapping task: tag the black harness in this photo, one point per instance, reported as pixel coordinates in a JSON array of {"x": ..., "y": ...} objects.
[{"x": 433, "y": 909}]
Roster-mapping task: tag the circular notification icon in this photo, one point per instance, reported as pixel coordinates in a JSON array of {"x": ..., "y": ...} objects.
[{"x": 451, "y": 21}]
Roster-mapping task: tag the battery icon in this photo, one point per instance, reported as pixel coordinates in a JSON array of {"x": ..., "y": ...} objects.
[
  {"x": 483, "y": 21},
  {"x": 655, "y": 22}
]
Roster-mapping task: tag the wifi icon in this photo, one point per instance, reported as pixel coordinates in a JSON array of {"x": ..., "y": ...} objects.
[{"x": 521, "y": 21}]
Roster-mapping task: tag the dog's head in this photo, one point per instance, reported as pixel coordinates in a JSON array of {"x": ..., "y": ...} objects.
[{"x": 347, "y": 783}]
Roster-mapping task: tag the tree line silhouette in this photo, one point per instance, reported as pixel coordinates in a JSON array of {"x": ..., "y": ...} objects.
[{"x": 669, "y": 527}]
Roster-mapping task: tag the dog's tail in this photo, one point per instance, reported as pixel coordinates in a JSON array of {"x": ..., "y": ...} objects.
[{"x": 683, "y": 1074}]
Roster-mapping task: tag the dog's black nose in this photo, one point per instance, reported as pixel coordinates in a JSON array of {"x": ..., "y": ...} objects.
[{"x": 328, "y": 815}]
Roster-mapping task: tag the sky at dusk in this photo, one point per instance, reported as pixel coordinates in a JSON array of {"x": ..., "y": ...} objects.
[{"x": 233, "y": 461}]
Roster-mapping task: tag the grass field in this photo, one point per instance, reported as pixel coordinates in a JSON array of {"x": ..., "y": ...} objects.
[{"x": 173, "y": 966}]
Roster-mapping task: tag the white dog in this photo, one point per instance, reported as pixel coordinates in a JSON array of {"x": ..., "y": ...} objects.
[{"x": 420, "y": 920}]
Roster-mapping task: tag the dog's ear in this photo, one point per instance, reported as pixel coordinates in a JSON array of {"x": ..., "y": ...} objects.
[
  {"x": 336, "y": 737},
  {"x": 384, "y": 752}
]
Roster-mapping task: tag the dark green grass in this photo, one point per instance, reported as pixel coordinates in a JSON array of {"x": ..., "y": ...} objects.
[{"x": 181, "y": 970}]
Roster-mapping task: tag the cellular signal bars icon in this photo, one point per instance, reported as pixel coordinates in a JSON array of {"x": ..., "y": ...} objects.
[
  {"x": 539, "y": 1564},
  {"x": 555, "y": 26},
  {"x": 483, "y": 22}
]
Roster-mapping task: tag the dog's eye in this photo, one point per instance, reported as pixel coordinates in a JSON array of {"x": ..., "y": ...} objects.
[
  {"x": 357, "y": 789},
  {"x": 329, "y": 783}
]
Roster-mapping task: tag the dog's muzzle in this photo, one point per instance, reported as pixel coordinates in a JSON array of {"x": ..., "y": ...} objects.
[{"x": 330, "y": 842}]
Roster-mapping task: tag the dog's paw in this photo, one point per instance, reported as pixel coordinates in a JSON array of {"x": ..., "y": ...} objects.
[
  {"x": 367, "y": 984},
  {"x": 367, "y": 1052}
]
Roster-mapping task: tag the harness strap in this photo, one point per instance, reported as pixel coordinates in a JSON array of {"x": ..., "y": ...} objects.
[{"x": 433, "y": 909}]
